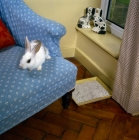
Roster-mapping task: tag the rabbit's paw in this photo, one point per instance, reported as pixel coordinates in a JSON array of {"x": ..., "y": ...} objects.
[
  {"x": 48, "y": 57},
  {"x": 39, "y": 68}
]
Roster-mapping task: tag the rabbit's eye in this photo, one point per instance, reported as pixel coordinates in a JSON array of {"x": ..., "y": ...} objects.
[{"x": 28, "y": 61}]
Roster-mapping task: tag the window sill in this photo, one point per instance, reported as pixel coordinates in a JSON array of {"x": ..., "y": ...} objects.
[{"x": 108, "y": 42}]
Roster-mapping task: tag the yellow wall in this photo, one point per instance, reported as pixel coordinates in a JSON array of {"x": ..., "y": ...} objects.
[{"x": 66, "y": 12}]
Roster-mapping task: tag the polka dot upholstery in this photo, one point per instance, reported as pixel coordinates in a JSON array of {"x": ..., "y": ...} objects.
[
  {"x": 22, "y": 92},
  {"x": 22, "y": 22}
]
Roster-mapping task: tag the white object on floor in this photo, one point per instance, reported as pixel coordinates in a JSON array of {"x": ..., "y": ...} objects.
[{"x": 89, "y": 91}]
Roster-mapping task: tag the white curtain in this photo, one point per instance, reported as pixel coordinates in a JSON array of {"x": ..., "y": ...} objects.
[{"x": 126, "y": 85}]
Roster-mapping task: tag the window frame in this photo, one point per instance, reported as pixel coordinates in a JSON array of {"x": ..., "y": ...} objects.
[{"x": 111, "y": 27}]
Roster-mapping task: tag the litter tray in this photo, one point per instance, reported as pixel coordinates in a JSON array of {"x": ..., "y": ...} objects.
[{"x": 90, "y": 90}]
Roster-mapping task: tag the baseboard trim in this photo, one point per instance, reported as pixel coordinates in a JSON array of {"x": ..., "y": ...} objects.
[
  {"x": 93, "y": 68},
  {"x": 68, "y": 52}
]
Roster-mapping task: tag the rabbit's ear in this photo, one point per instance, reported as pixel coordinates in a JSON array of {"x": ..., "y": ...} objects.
[
  {"x": 27, "y": 45},
  {"x": 36, "y": 48}
]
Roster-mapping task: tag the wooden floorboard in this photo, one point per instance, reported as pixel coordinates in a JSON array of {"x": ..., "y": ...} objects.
[{"x": 102, "y": 120}]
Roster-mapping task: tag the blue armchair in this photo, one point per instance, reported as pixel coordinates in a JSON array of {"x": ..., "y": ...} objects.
[{"x": 24, "y": 93}]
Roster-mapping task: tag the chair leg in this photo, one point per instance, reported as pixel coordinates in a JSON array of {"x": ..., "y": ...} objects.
[{"x": 67, "y": 99}]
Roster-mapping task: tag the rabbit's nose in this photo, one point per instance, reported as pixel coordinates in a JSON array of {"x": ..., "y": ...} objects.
[{"x": 20, "y": 66}]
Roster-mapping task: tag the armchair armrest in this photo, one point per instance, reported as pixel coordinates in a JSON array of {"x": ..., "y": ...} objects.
[{"x": 22, "y": 22}]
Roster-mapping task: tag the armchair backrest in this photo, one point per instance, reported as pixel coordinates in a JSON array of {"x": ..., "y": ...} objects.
[{"x": 22, "y": 22}]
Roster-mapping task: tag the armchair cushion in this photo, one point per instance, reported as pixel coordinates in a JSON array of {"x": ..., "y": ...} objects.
[
  {"x": 6, "y": 38},
  {"x": 23, "y": 92}
]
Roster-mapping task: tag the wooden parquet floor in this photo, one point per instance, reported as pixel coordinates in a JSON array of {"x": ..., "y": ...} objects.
[{"x": 103, "y": 120}]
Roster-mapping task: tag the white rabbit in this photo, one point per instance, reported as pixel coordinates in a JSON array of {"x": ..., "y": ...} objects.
[{"x": 35, "y": 55}]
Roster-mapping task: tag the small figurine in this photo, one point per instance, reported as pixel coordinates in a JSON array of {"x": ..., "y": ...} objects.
[
  {"x": 93, "y": 14},
  {"x": 84, "y": 21},
  {"x": 99, "y": 24}
]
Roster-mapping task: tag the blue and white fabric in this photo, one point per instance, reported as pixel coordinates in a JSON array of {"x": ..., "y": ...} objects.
[
  {"x": 22, "y": 92},
  {"x": 22, "y": 22}
]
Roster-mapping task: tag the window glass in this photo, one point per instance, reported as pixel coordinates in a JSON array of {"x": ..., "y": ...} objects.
[{"x": 117, "y": 12}]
